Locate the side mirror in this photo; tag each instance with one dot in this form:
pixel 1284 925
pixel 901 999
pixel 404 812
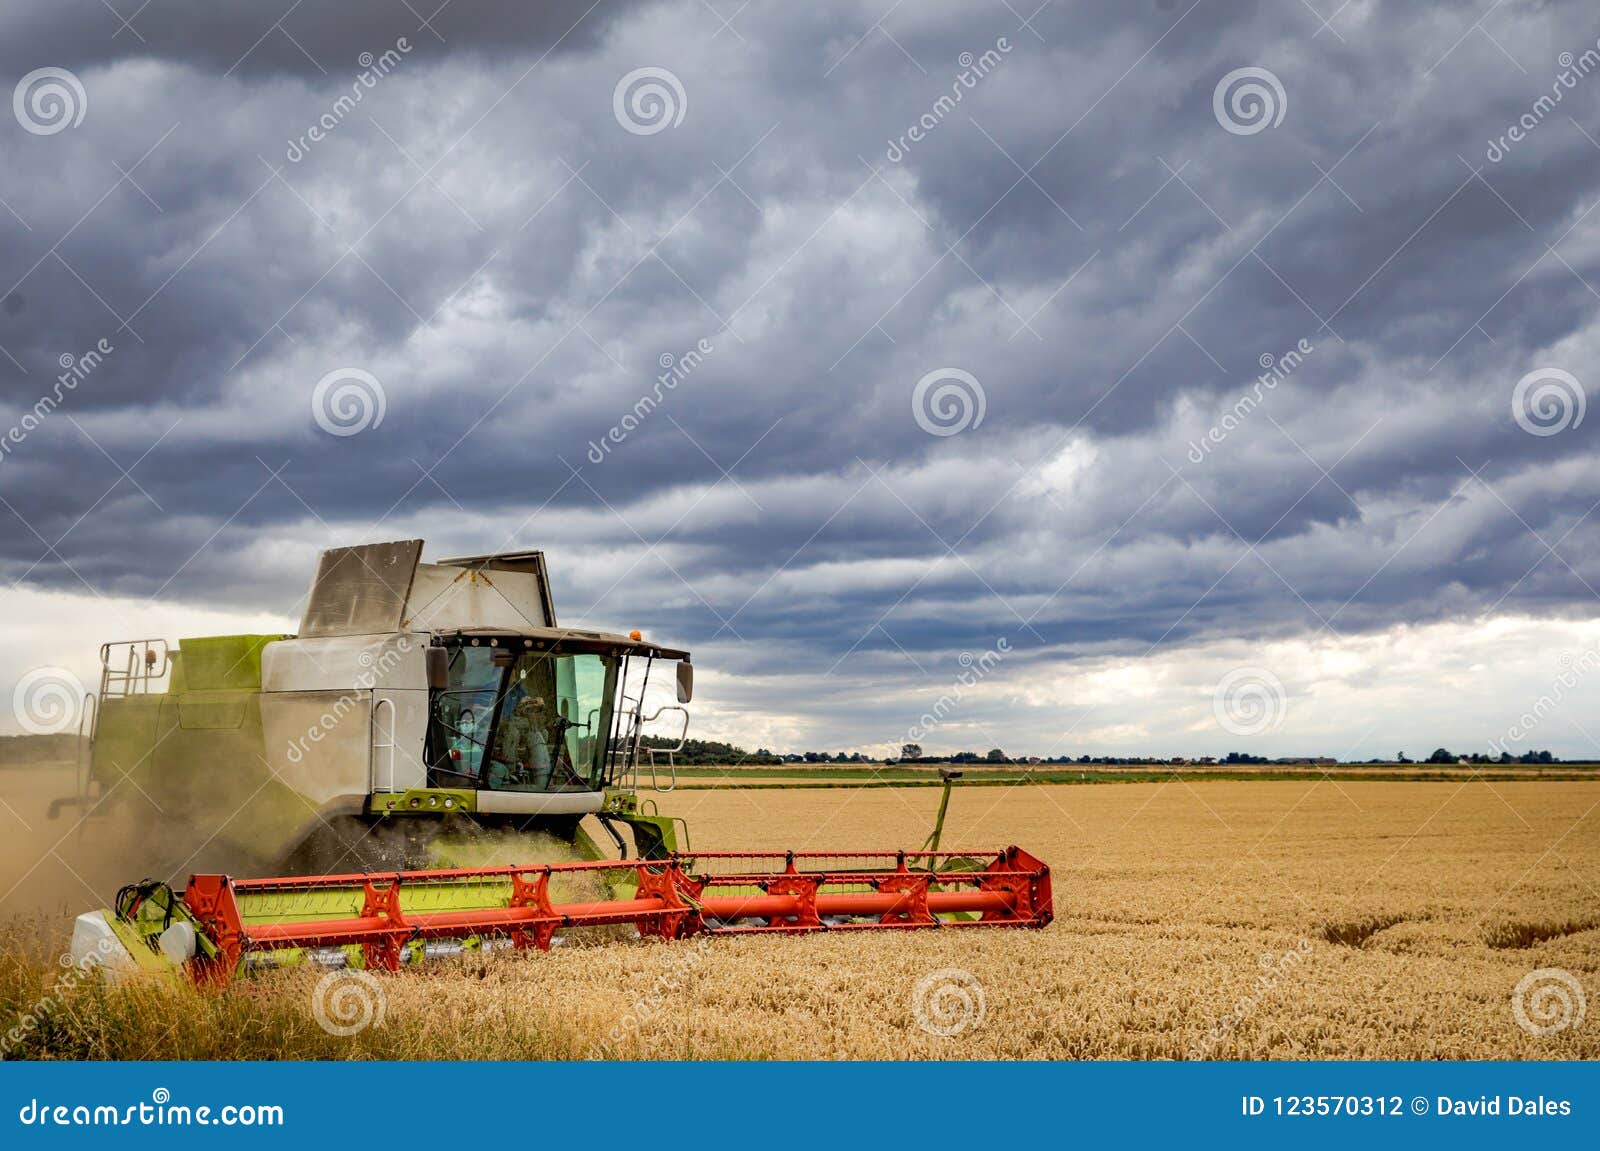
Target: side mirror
pixel 685 681
pixel 438 666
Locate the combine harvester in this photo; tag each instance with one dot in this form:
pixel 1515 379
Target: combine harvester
pixel 425 710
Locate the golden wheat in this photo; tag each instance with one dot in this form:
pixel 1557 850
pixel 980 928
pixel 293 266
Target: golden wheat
pixel 1225 920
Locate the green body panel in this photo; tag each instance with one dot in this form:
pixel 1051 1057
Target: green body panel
pixel 656 836
pixel 423 801
pixel 221 662
pixel 196 751
pixel 139 937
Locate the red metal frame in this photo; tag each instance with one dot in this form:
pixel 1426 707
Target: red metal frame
pixel 674 898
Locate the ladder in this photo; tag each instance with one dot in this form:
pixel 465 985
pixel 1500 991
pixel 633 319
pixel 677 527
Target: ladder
pixel 127 668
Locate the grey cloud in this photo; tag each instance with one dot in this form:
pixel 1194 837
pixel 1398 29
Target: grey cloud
pixel 485 238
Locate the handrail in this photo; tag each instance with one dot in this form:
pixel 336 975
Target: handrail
pixel 148 661
pixel 377 707
pixel 671 753
pixel 622 752
pixel 83 764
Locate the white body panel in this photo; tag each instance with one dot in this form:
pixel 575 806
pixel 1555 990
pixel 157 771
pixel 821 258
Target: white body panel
pixel 94 944
pixel 450 598
pixel 540 802
pixel 320 701
pixel 336 663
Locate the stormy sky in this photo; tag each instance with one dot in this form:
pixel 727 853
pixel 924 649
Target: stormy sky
pixel 1152 378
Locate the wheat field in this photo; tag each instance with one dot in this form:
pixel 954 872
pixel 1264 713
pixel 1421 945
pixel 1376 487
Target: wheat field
pixel 1229 920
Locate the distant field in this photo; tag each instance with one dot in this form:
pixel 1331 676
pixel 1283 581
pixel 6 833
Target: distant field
pixel 1220 919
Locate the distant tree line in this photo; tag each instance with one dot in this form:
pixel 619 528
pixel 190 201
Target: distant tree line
pixel 1442 755
pixel 706 752
pixel 711 751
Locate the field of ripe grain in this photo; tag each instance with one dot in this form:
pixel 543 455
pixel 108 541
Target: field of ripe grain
pixel 1228 920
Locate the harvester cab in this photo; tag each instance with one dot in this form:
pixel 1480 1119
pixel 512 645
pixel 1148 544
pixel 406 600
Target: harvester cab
pixel 422 712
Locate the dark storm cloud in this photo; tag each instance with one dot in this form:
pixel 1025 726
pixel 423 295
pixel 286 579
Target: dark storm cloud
pixel 1079 232
pixel 311 38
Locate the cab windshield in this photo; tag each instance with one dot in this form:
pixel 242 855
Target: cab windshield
pixel 529 721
